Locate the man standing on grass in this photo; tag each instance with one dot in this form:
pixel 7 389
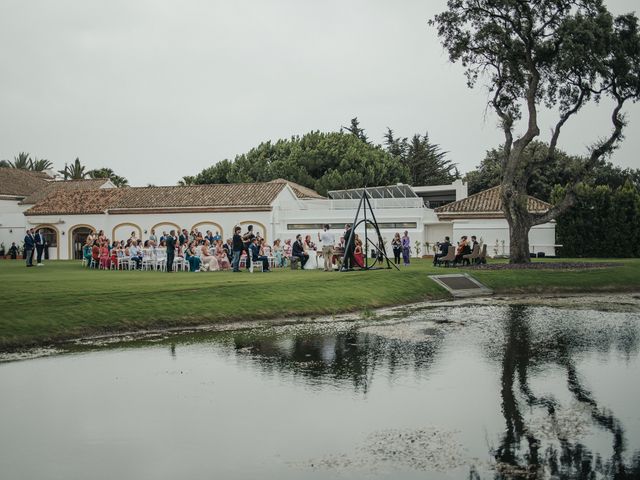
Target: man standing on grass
pixel 328 240
pixel 29 244
pixel 237 246
pixel 349 248
pixel 170 241
pixel 39 241
pixel 247 238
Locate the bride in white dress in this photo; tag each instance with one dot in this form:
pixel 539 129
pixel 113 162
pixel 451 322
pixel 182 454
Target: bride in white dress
pixel 310 249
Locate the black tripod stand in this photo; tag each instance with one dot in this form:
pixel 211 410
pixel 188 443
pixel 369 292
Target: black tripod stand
pixel 379 248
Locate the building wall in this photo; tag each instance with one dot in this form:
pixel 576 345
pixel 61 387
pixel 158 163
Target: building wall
pixel 12 223
pixel 495 233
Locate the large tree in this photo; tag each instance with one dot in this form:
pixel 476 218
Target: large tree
pixel 542 181
pixel 558 54
pixel 426 161
pixel 318 160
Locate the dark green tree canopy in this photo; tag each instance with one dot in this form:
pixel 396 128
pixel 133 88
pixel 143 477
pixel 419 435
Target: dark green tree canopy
pixel 542 181
pixel 321 161
pixel 425 161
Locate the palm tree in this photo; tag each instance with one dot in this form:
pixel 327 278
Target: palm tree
pixel 117 180
pixel 22 161
pixel 40 165
pixel 75 171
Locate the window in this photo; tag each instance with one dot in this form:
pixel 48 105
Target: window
pixel 319 226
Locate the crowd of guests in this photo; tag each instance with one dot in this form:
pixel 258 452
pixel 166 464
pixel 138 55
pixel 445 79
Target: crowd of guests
pixel 207 251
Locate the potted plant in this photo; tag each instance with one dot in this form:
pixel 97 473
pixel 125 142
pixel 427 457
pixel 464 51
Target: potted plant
pixel 427 249
pixel 418 249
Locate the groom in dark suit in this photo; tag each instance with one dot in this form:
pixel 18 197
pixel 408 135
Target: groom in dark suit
pixel 170 241
pixel 39 241
pixel 29 244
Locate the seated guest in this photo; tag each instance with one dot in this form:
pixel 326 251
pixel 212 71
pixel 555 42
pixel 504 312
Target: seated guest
pixel 278 253
pixel 228 248
pixel 95 252
pixel 135 253
pixel 191 257
pixel 208 261
pixel 254 249
pixel 87 253
pixel 462 250
pixel 286 249
pixel 221 256
pixel 265 249
pixel 297 250
pixel 444 250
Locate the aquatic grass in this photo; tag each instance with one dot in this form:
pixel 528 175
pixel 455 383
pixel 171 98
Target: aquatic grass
pixel 62 300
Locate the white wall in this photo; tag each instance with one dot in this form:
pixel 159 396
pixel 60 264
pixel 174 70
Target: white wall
pixel 12 224
pixel 496 231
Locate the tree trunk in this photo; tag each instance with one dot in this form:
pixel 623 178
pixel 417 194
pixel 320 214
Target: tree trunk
pixel 518 218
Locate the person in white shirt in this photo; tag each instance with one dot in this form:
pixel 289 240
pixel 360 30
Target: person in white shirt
pixel 328 240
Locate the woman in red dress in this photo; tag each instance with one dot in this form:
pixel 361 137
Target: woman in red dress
pixel 358 254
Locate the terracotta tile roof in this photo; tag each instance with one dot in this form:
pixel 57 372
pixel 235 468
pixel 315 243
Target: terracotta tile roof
pixel 77 202
pixel 66 185
pixel 239 195
pixel 487 201
pixel 213 195
pixel 21 183
pixel 300 190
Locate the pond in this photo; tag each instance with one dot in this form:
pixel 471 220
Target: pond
pixel 488 391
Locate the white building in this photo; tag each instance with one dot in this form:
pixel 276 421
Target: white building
pixel 68 210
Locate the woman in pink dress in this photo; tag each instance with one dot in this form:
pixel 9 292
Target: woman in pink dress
pixel 208 262
pixel 105 258
pixel 358 254
pixel 221 256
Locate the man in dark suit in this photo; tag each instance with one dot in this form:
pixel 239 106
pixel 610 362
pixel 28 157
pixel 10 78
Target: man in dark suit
pixel 170 241
pixel 297 250
pixel 349 248
pixel 29 245
pixel 247 238
pixel 39 242
pixel 444 250
pixel 254 249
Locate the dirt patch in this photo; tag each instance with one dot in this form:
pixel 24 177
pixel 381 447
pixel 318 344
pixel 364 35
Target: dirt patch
pixel 544 266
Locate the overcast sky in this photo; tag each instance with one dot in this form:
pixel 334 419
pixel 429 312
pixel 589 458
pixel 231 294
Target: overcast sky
pixel 157 90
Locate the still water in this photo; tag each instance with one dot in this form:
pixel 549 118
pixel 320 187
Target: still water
pixel 450 392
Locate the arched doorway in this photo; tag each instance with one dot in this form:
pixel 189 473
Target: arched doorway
pixel 213 226
pixel 123 231
pixel 77 238
pixel 51 237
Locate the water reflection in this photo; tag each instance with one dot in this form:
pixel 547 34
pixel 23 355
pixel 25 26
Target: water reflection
pixel 529 345
pixel 348 356
pixel 519 450
pixel 476 392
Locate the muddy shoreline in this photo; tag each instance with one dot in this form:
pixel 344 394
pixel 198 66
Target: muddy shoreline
pixel 622 302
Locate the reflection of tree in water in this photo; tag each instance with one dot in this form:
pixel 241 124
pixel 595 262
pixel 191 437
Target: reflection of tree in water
pixel 519 452
pixel 344 356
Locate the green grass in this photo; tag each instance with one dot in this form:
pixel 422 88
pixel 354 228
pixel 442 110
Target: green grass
pixel 61 300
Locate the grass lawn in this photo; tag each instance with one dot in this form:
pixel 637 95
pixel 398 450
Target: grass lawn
pixel 62 300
